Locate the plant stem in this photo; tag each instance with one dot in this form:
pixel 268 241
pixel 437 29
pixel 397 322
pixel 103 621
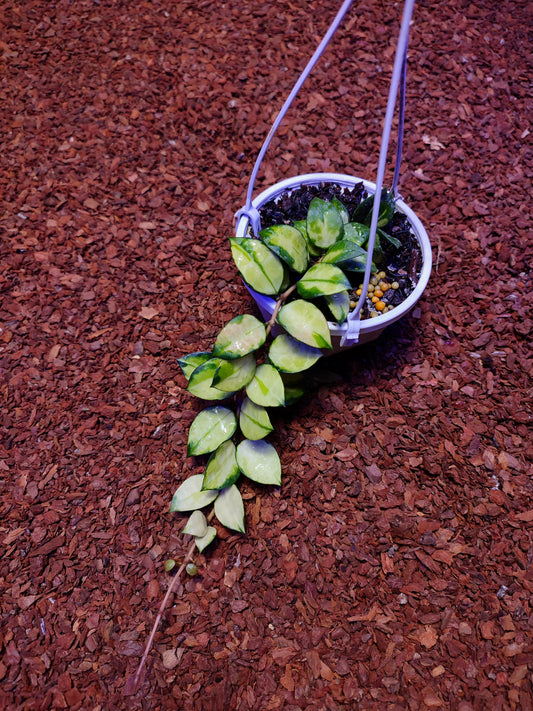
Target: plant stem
pixel 131 684
pixel 279 304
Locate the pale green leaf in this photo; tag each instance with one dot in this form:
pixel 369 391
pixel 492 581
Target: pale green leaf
pixel 266 387
pixel 229 509
pixel 258 265
pixel 356 232
pixel 189 495
pixel 202 378
pixel 291 356
pixel 242 335
pixel 222 469
pixel 209 429
pixel 324 223
pixel 289 244
pixel 254 420
pixel 196 525
pixel 203 541
pixel 233 375
pixel 305 322
pixel 322 280
pixel 259 461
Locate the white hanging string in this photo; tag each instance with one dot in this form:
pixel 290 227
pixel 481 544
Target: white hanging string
pixel 249 210
pixel 353 320
pixel 351 334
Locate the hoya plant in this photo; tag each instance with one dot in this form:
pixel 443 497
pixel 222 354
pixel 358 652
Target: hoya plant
pixel 310 268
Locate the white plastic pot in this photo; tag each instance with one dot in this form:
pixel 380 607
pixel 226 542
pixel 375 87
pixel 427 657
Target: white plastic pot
pixel 370 328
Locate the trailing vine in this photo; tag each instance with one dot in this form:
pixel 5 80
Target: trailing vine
pixel 308 268
pixel 311 268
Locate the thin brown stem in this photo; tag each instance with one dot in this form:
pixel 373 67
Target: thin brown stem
pixel 282 298
pixel 131 685
pixel 279 304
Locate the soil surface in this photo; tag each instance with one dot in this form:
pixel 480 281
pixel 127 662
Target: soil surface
pixel 393 568
pixel 399 263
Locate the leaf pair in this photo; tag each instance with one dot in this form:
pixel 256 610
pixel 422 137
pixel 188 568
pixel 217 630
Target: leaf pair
pixel 257 460
pixel 197 526
pixel 322 228
pixel 215 425
pixel 228 504
pixel 263 263
pixel 231 365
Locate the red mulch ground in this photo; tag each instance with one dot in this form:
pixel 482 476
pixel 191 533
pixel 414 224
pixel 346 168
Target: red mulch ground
pixel 393 570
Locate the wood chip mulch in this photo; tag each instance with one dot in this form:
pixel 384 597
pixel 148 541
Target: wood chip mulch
pixel 394 567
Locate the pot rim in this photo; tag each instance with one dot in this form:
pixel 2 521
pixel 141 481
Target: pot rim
pixel 368 325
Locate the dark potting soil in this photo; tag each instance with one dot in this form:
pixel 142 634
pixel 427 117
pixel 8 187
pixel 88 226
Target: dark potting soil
pixel 401 264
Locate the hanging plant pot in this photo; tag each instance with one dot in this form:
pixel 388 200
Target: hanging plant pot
pixel 372 323
pixel 301 272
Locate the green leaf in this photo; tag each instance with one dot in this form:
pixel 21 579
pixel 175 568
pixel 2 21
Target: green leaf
pixel 377 254
pixel 209 429
pixel 356 232
pixel 363 212
pixel 292 356
pixel 189 495
pixel 259 461
pixel 258 265
pixel 301 226
pixel 339 305
pixel 222 469
pixel 205 540
pixel 324 223
pixel 242 335
pixel 390 238
pixel 386 208
pixel 266 388
pixel 196 525
pixel 235 374
pixel 201 379
pixel 254 420
pixel 289 244
pixel 190 362
pixel 229 509
pixel 322 280
pixel 294 387
pixel 346 253
pixel 343 212
pixel 306 323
